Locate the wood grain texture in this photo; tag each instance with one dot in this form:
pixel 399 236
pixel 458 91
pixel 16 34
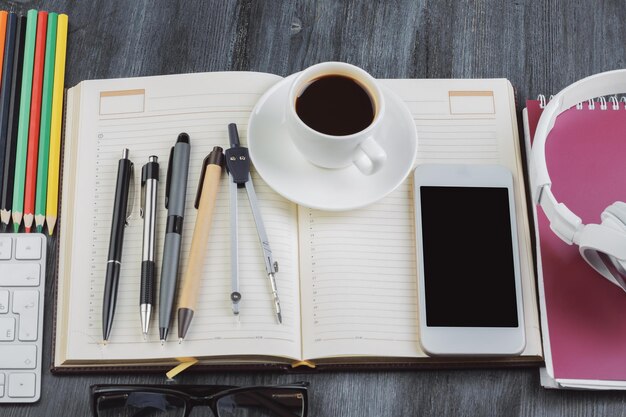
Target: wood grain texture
pixel 541 46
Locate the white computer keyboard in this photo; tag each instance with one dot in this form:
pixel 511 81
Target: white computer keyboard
pixel 22 288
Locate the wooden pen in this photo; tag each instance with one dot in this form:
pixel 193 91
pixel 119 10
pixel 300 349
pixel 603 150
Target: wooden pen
pixel 205 204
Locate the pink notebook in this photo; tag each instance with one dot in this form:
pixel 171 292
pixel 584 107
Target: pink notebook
pixel 585 313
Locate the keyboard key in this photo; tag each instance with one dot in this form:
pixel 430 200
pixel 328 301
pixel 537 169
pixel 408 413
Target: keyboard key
pixel 22 385
pixel 26 304
pixel 18 356
pixel 19 275
pixel 7 329
pixel 28 248
pixel 5 248
pixel 4 301
pixel 1 385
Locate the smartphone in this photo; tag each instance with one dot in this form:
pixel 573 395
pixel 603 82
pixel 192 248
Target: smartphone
pixel 469 283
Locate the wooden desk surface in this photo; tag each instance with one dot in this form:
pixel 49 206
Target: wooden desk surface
pixel 540 46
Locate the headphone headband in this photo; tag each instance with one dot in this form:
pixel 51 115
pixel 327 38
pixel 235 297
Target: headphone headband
pixel 563 221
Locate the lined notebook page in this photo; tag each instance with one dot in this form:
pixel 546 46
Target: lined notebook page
pixel 358 269
pixel 146 115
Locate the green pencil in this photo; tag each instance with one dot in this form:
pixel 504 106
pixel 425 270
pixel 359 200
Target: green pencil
pixel 22 126
pixel 46 118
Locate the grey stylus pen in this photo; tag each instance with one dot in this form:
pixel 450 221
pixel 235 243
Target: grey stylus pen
pixel 175 193
pixel 149 187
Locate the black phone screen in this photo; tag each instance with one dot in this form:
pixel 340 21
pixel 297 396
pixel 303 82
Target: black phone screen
pixel 467 246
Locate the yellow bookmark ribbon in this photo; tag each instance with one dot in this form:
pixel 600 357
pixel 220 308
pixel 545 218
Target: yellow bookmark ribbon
pixel 184 364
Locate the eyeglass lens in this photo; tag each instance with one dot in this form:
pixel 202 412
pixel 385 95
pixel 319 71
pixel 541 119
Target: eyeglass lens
pixel 140 404
pixel 262 402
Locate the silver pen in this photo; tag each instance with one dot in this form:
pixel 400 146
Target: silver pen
pixel 149 187
pixel 238 166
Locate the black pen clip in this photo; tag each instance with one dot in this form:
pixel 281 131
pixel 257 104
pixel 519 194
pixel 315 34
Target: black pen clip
pixel 142 203
pixel 216 157
pixel 169 177
pixel 130 205
pixel 150 171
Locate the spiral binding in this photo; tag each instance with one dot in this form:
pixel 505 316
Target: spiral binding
pixel 613 102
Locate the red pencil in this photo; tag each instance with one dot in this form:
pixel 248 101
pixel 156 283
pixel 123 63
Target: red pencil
pixel 30 186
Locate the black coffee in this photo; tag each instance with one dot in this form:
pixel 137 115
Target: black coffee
pixel 335 105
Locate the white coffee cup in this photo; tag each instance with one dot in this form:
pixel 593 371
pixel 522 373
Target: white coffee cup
pixel 362 148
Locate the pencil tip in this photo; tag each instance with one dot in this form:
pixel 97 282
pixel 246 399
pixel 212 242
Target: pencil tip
pixel 16 227
pixel 162 342
pixel 180 340
pixel 27 229
pixel 39 229
pixel 280 318
pixel 51 222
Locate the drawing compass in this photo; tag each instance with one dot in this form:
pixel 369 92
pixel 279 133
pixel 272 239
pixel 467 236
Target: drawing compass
pixel 238 168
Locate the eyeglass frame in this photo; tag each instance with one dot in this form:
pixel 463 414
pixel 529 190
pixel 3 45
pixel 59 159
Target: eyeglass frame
pixel 212 393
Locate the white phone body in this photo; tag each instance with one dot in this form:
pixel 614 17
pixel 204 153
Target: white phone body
pixel 469 282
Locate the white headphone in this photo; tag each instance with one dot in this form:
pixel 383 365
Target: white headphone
pixel 603 245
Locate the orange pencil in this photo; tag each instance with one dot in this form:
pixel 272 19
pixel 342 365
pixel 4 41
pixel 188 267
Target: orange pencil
pixel 30 185
pixel 3 33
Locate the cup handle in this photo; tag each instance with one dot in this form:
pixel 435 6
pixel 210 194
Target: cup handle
pixel 369 156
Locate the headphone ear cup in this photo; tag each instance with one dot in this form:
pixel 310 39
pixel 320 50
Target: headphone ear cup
pixel 614 216
pixel 603 246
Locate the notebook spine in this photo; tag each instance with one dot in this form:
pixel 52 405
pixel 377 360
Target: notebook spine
pixel 600 103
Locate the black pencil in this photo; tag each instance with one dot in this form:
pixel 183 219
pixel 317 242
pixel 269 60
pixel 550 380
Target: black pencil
pixel 5 87
pixel 6 197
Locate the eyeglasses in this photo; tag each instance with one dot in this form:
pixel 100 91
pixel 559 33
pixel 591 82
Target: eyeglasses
pixel 177 401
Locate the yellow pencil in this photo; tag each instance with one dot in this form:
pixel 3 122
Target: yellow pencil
pixel 52 200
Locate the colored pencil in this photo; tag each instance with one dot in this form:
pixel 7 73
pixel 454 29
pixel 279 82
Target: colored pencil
pixel 4 15
pixel 6 197
pixel 30 181
pixel 46 117
pixel 55 124
pixel 21 150
pixel 5 88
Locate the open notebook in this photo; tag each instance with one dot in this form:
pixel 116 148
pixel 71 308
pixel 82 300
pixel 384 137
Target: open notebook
pixel 347 298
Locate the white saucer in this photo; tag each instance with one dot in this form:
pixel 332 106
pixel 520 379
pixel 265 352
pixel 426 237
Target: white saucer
pixel 286 170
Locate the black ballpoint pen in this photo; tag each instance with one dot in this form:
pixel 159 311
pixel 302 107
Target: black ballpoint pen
pixel 114 261
pixel 175 194
pixel 149 186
